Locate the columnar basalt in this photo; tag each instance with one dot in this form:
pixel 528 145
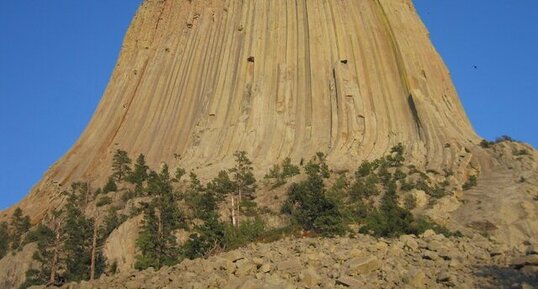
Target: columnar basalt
pixel 198 80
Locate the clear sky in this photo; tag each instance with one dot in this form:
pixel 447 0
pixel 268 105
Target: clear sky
pixel 56 58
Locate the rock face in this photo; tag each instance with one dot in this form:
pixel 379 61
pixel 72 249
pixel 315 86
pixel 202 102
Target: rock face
pixel 13 267
pixel 199 80
pixel 360 262
pixel 120 247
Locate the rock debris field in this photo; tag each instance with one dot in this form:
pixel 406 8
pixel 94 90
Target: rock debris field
pixel 427 261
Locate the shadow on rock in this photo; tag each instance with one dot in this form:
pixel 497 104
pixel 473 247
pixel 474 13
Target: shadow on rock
pixel 507 277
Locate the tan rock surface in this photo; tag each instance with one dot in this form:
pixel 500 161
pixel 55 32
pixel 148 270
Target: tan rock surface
pixel 198 80
pixel 120 246
pixel 13 267
pixel 477 269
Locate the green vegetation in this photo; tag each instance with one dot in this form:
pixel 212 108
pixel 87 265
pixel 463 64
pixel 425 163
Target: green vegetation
pixel 120 165
pixel 281 172
pixel 20 225
pixel 221 214
pixel 70 243
pixel 488 144
pixel 521 152
pixel 157 242
pixel 470 183
pixel 4 239
pixel 45 238
pixel 110 186
pixel 140 172
pixel 103 201
pixel 308 204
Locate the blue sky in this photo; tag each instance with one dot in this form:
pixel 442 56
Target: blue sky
pixel 55 61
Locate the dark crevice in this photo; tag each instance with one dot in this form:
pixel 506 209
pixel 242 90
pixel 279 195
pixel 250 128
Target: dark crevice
pixel 414 111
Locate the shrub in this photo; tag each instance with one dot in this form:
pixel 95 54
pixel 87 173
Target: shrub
pixel 437 192
pixel 363 189
pixel 309 206
pixel 399 175
pixel 208 237
pixel 365 169
pixel 282 172
pixel 246 232
pixel 422 224
pixel 471 182
pixel 522 152
pixel 110 186
pixel 486 144
pixel 406 186
pixel 390 220
pixel 103 201
pixel 504 138
pixel 4 239
pixel 276 234
pixel 410 202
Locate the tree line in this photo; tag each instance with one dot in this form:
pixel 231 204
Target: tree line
pixel 219 215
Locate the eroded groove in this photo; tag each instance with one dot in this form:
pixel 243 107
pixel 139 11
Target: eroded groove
pixel 196 93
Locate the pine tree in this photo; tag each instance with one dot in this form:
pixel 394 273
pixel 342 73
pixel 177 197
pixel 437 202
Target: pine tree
pixel 50 253
pixel 82 193
pixel 209 237
pixel 45 254
pixel 244 183
pixel 4 239
pixel 157 242
pixel 178 175
pixel 309 205
pixel 79 232
pixel 20 225
pixel 110 186
pixel 221 186
pixel 140 172
pixel 121 165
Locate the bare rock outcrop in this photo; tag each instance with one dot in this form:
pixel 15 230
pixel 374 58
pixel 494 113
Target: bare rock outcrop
pixel 13 267
pixel 428 261
pixel 198 80
pixel 120 246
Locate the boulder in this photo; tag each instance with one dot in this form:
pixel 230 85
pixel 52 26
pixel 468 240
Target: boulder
pixel 310 278
pixel 529 260
pixel 291 266
pixel 349 282
pixel 362 265
pixel 415 278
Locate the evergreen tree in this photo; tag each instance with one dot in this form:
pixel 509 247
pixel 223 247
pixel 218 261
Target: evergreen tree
pixel 121 165
pixel 178 175
pixel 20 225
pixel 110 186
pixel 148 241
pixel 110 223
pixel 81 194
pixel 157 242
pixel 50 253
pixel 209 237
pixel 140 172
pixel 243 176
pixel 78 244
pixel 244 183
pixel 390 220
pixel 309 205
pixel 45 238
pixel 221 186
pixel 4 239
